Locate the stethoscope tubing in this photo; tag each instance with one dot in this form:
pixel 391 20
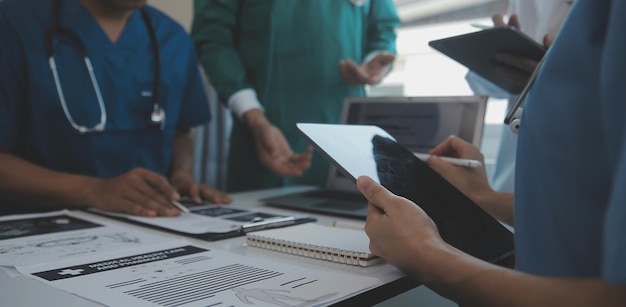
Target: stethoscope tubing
pixel 157 117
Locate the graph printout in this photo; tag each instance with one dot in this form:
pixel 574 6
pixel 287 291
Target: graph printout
pixel 178 273
pixel 48 237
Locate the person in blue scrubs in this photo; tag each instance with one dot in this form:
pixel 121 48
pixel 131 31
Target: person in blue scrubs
pixel 72 139
pixel 541 20
pixel 570 195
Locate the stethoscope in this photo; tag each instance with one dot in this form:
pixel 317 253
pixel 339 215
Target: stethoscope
pixel 514 115
pixel 157 117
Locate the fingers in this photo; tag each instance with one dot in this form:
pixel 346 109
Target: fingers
pixel 352 73
pixel 548 39
pixel 514 21
pixel 378 196
pixel 456 147
pixel 195 193
pixel 444 149
pixel 214 196
pixel 287 166
pixel 518 76
pixel 498 20
pixel 274 152
pixel 138 192
pixel 385 58
pixel 152 192
pixel 376 68
pixel 303 160
pixel 134 208
pixel 161 184
pixel 442 167
pixel 524 64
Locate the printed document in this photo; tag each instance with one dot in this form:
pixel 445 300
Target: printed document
pixel 177 273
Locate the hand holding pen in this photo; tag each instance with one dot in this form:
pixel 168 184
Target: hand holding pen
pixel 471 181
pixel 138 192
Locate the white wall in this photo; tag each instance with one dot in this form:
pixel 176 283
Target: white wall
pixel 180 10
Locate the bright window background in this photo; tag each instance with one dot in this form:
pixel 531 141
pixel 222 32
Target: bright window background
pixel 422 71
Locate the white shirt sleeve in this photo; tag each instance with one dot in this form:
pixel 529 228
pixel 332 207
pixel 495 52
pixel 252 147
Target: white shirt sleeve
pixel 244 101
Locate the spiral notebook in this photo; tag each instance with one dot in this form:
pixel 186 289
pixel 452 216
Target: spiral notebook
pixel 313 240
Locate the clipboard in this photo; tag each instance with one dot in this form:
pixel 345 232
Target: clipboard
pixel 476 51
pixel 369 150
pixel 225 221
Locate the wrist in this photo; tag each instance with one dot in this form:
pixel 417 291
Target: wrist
pixel 180 176
pixel 443 264
pixel 500 205
pixel 255 119
pixel 485 197
pixel 243 101
pixel 87 192
pixel 428 256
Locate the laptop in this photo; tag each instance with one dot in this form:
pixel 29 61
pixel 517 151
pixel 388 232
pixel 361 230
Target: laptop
pixel 418 123
pixel 359 150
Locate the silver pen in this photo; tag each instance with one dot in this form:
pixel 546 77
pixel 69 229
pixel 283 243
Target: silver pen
pixel 269 223
pixel 180 206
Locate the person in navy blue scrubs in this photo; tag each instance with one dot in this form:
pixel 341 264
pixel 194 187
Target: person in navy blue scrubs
pixel 116 138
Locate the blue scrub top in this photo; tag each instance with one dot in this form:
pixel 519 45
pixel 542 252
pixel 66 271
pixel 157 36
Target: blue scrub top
pixel 570 202
pixel 32 122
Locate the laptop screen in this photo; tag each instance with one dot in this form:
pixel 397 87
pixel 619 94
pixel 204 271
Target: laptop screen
pixel 420 123
pixel 417 123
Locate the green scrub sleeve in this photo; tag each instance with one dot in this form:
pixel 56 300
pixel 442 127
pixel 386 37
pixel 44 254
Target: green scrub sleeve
pixel 213 28
pixel 382 21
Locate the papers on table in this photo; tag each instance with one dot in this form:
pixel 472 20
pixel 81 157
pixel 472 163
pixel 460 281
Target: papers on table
pixel 204 219
pixel 171 272
pixel 181 274
pixel 48 237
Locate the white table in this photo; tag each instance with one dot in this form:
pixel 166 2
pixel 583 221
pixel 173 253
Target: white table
pixel 16 290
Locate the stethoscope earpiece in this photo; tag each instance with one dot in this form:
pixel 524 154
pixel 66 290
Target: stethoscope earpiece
pixel 515 125
pixel 515 112
pixel 516 121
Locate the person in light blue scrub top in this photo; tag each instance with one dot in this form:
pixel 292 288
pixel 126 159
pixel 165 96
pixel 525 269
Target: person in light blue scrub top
pixel 570 185
pixel 69 138
pixel 541 20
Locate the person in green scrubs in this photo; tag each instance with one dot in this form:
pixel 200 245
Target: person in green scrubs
pixel 276 63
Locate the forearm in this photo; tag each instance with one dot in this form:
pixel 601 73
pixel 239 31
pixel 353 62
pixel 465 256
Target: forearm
pixel 182 156
pixel 472 282
pixel 27 183
pixel 255 119
pixel 382 23
pixel 213 32
pixel 500 205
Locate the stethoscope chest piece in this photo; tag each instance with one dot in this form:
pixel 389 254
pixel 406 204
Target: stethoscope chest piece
pixel 157 117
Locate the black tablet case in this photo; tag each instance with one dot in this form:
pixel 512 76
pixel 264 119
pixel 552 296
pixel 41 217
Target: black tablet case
pixel 460 221
pixel 476 51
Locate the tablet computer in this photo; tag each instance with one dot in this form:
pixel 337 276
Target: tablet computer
pixel 369 150
pixel 476 51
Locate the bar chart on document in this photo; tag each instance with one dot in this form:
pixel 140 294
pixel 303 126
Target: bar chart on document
pixel 178 273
